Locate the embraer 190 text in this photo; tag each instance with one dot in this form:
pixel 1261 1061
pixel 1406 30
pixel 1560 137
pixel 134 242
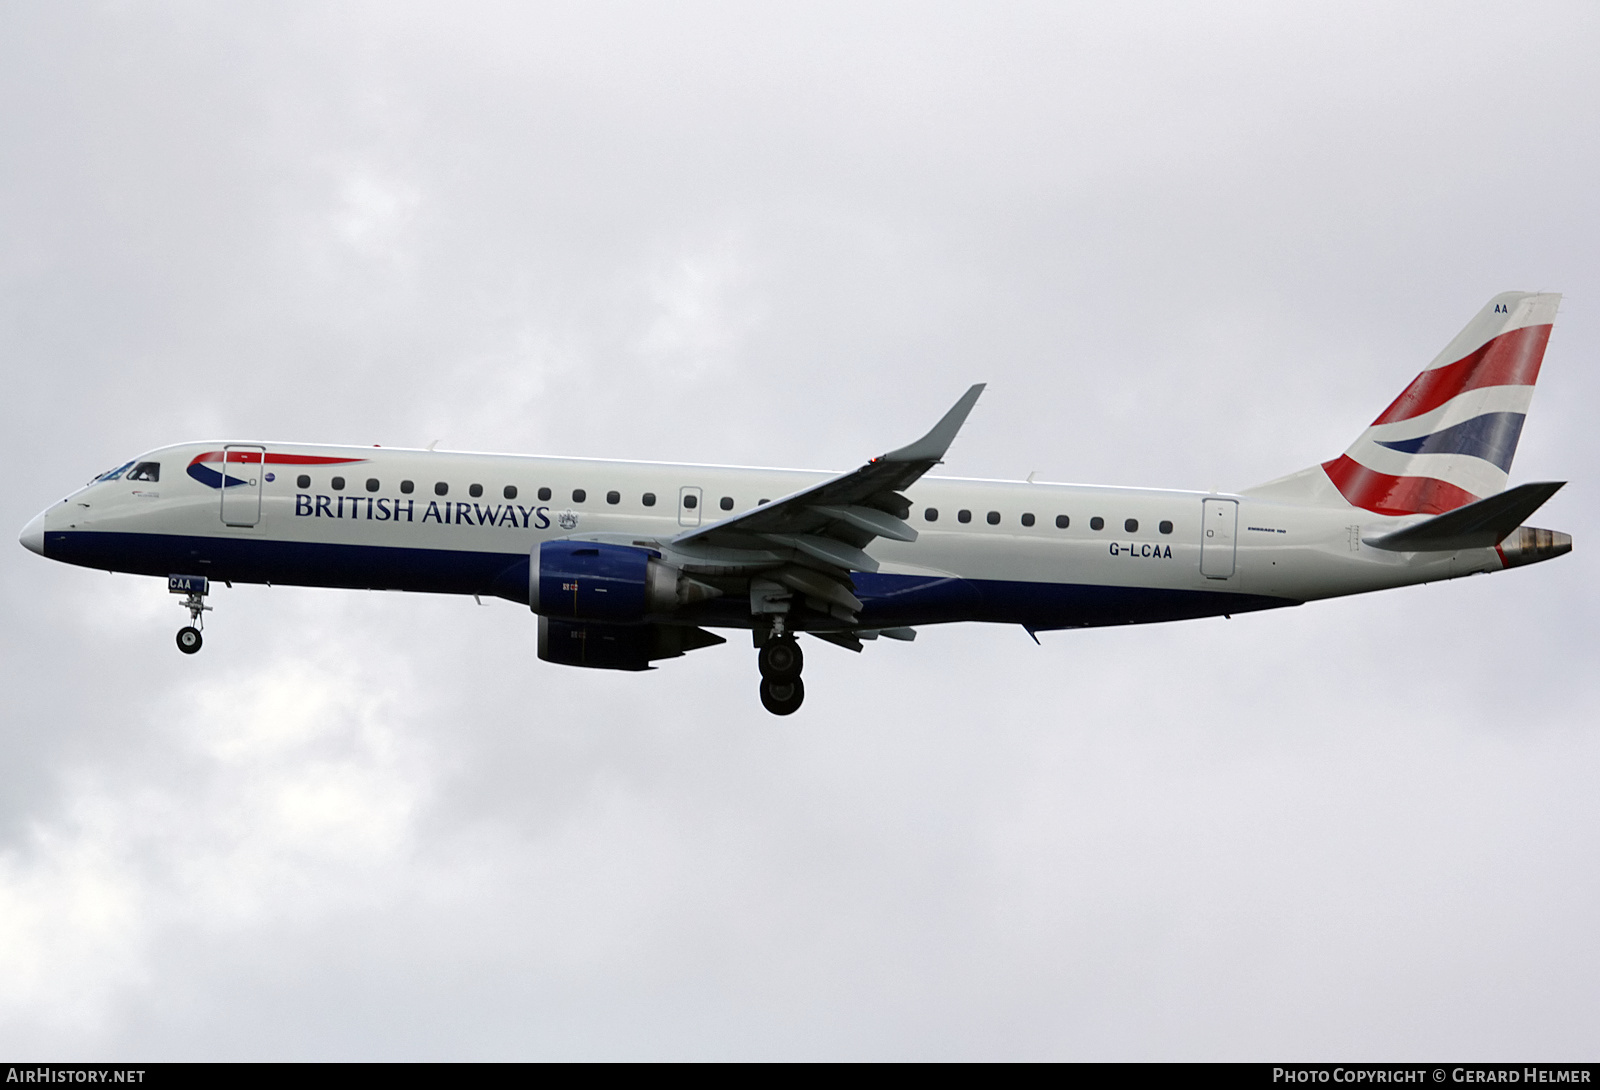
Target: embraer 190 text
pixel 627 563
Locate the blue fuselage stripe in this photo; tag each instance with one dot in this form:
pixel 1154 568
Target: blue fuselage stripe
pixel 888 600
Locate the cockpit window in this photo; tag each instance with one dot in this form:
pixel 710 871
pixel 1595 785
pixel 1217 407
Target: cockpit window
pixel 145 471
pixel 112 474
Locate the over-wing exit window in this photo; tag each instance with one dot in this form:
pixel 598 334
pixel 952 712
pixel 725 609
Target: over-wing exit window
pixel 145 471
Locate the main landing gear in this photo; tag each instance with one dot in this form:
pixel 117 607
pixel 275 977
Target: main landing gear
pixel 780 660
pixel 194 589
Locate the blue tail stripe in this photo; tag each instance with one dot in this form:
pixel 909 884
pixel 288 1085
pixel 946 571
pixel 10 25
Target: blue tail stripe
pixel 1492 437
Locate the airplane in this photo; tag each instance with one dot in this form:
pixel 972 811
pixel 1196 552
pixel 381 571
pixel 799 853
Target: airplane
pixel 627 564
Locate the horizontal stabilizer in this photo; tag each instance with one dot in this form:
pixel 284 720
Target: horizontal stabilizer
pixel 1478 525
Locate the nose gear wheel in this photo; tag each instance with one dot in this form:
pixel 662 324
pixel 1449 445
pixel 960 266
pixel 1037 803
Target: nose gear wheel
pixel 194 591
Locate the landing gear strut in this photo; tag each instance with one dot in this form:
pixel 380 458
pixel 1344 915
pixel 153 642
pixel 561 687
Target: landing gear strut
pixel 194 589
pixel 780 661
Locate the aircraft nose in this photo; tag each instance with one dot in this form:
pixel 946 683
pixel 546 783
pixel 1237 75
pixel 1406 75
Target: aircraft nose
pixel 33 535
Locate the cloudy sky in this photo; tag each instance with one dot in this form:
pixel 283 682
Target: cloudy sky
pixel 1187 246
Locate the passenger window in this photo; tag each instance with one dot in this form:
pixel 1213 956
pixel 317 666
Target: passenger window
pixel 613 497
pixel 690 500
pixel 408 487
pixel 475 490
pixel 931 514
pixel 1062 522
pixel 372 484
pixel 1165 527
pixel 338 484
pixel 303 481
pixel 439 488
pixel 509 492
pixel 579 495
pixel 963 515
pixel 727 503
pixel 1097 523
pixel 544 494
pixel 649 499
pixel 1027 518
pixel 1131 526
pixel 994 518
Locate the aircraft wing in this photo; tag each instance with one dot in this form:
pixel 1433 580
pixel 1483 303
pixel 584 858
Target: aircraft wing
pixel 823 530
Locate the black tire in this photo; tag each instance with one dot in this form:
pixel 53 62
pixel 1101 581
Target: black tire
pixel 781 659
pixel 189 640
pixel 783 697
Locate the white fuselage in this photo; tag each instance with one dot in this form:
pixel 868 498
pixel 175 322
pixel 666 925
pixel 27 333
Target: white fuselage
pixel 1044 555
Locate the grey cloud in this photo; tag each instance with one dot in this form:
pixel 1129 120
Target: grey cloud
pixel 1196 249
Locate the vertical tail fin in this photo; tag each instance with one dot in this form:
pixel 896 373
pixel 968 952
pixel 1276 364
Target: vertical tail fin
pixel 1449 438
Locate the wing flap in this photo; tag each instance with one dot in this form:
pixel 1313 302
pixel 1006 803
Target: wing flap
pixel 873 521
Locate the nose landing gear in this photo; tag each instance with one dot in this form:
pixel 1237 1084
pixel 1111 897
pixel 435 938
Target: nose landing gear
pixel 781 661
pixel 194 589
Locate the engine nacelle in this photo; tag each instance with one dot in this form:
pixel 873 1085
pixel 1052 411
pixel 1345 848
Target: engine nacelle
pixel 617 646
pixel 593 581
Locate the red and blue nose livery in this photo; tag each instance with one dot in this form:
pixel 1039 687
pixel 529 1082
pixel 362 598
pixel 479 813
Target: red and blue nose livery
pixel 200 468
pixel 1449 438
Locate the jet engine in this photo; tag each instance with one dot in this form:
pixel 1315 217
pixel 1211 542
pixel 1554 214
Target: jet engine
pixel 593 581
pixel 617 646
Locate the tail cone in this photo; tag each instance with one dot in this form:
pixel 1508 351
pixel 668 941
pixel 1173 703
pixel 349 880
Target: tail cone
pixel 1528 545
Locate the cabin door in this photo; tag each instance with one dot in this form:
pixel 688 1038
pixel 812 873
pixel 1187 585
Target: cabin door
pixel 1219 527
pixel 242 468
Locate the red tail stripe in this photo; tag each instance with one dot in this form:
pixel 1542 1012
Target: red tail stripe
pixel 1387 495
pixel 1511 359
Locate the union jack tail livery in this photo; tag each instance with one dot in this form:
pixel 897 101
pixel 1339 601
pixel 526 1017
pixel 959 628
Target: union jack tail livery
pixel 1449 437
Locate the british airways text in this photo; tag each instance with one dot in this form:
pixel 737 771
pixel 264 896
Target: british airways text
pixel 385 509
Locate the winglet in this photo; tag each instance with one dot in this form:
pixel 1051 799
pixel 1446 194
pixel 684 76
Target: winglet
pixel 931 447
